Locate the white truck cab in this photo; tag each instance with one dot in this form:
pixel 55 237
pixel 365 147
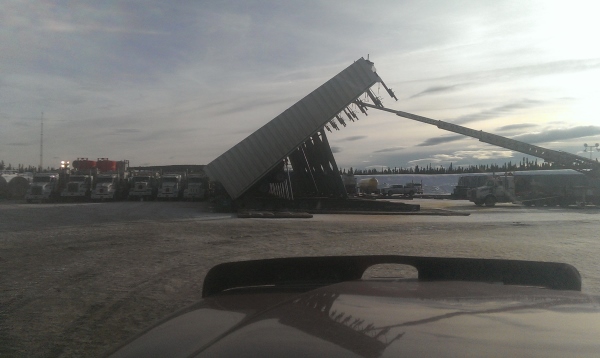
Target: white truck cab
pixel 44 187
pixel 171 186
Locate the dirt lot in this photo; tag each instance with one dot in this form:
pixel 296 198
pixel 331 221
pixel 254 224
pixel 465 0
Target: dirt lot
pixel 78 279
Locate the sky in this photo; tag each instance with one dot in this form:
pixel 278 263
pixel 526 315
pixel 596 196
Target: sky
pixel 181 82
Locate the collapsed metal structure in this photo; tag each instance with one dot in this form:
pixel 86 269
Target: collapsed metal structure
pixel 290 157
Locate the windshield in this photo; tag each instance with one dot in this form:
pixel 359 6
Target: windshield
pixel 303 150
pixel 43 179
pixel 141 179
pixel 104 180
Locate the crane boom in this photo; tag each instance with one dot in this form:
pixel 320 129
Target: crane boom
pixel 567 159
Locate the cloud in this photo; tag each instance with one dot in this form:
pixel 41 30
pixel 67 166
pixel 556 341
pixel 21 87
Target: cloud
pixel 19 144
pixel 484 154
pixel 353 138
pixel 64 26
pixel 528 71
pixel 464 155
pixel 553 135
pixel 440 140
pixel 124 131
pixel 511 127
pixel 436 90
pixel 391 149
pixel 497 111
pixel 436 158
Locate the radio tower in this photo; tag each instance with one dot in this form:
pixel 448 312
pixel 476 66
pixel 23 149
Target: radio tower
pixel 42 144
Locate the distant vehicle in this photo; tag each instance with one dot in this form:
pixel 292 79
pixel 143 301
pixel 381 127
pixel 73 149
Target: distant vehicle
pixel 110 186
pixel 323 307
pixel 349 181
pixel 80 181
pixel 196 187
pixel 535 189
pixel 45 187
pixel 144 185
pixel 466 183
pixel 409 190
pixel 112 180
pixel 171 186
pixel 79 186
pixel 14 185
pixel 369 186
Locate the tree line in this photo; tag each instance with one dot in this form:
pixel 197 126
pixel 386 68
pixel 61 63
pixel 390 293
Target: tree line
pixel 22 168
pixel 524 165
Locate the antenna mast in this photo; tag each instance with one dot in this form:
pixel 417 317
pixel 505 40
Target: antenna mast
pixel 42 144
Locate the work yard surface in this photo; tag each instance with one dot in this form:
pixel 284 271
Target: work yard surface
pixel 76 280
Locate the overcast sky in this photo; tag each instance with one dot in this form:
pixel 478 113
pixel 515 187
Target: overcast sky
pixel 180 82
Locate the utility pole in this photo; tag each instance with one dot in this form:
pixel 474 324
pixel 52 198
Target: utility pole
pixel 42 145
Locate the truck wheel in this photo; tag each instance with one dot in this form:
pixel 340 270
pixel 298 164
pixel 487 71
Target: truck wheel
pixel 411 194
pixel 479 203
pixel 490 201
pixel 390 193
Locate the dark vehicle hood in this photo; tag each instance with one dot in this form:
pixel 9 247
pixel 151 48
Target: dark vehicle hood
pixel 381 318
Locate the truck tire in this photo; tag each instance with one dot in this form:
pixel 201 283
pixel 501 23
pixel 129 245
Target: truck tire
pixel 478 203
pixel 390 193
pixel 490 201
pixel 411 194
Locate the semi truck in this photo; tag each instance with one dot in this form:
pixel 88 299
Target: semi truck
pixel 144 185
pixel 45 187
pixel 80 181
pixel 197 187
pixel 171 186
pixel 79 186
pixel 112 180
pixel 537 189
pixel 468 182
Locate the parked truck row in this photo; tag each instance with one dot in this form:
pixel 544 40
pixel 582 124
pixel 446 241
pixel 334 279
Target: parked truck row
pixel 538 189
pixel 108 180
pixel 372 186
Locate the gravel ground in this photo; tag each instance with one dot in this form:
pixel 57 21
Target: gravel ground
pixel 78 279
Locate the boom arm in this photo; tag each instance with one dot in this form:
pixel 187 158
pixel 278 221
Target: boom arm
pixel 549 155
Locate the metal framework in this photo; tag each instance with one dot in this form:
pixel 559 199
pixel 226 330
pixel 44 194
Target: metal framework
pixel 260 164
